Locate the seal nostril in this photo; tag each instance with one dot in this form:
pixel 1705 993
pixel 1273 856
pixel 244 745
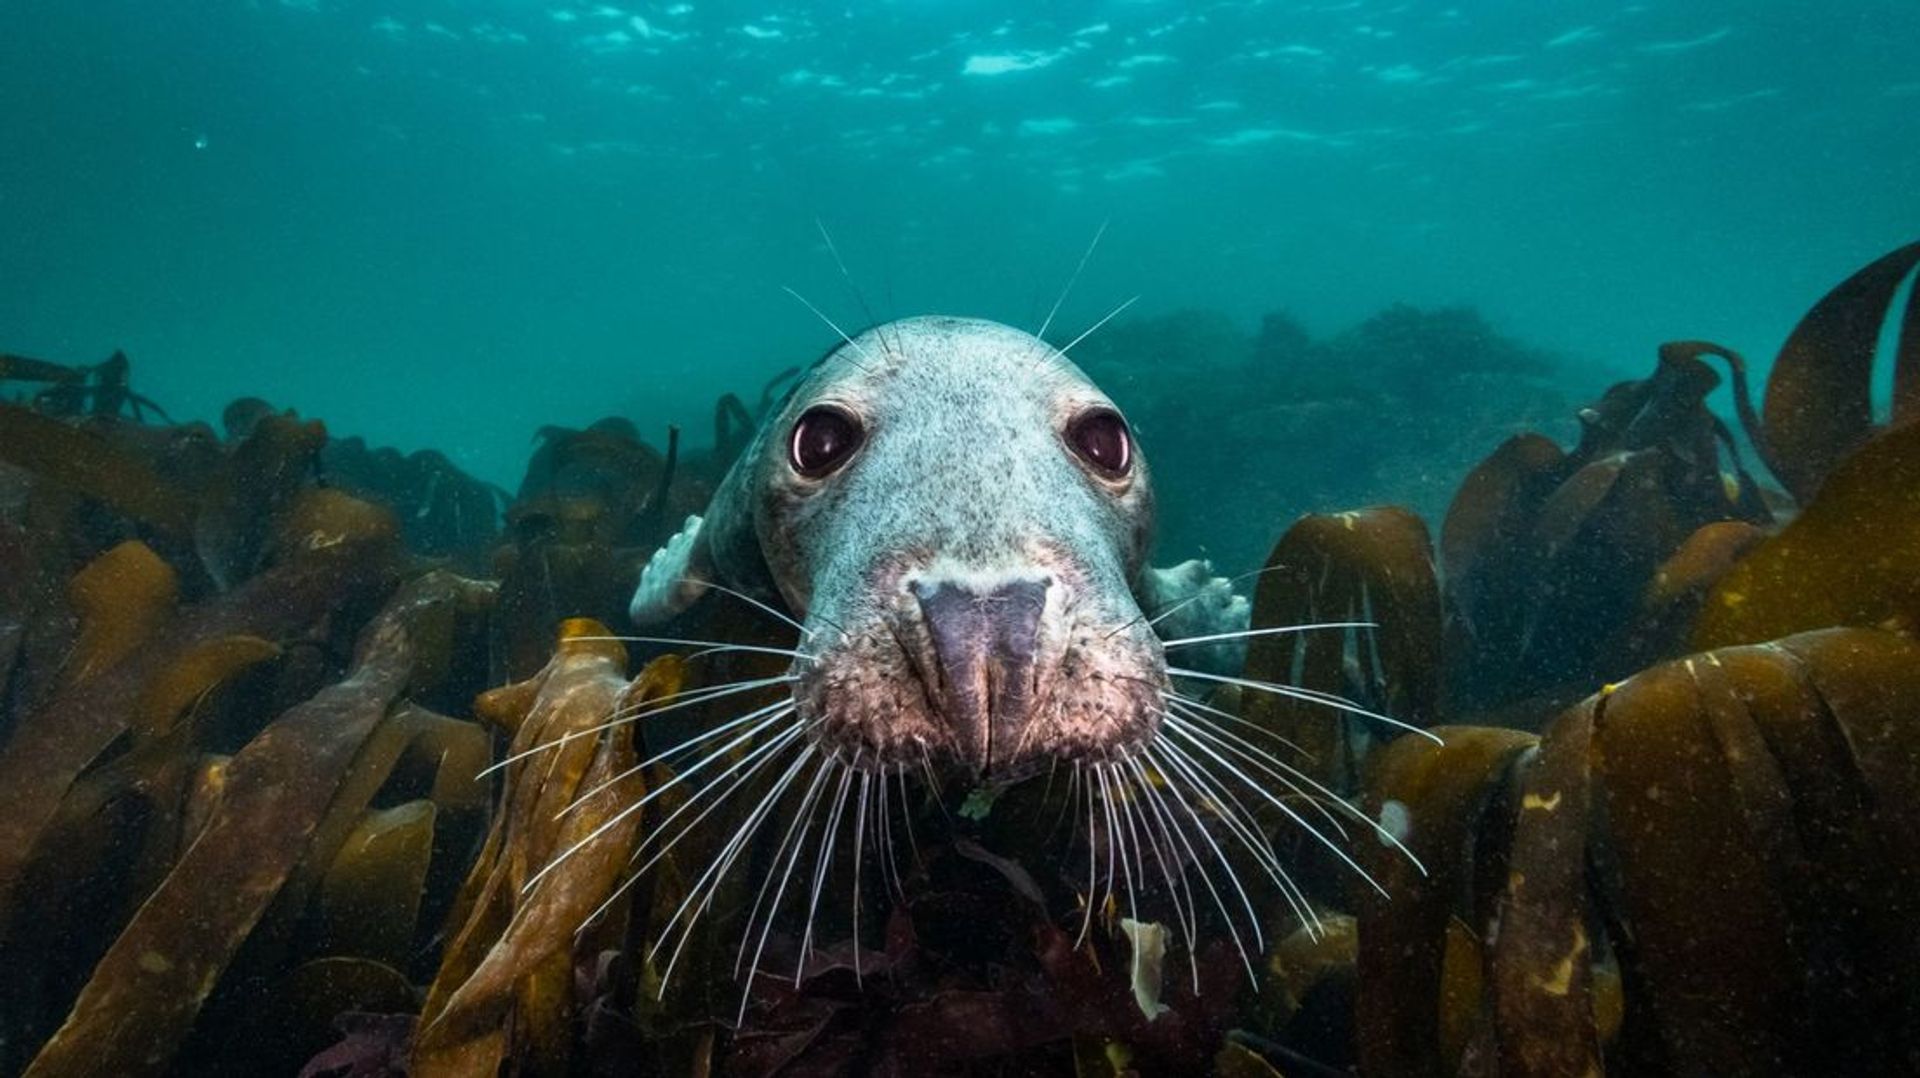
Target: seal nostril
pixel 984 645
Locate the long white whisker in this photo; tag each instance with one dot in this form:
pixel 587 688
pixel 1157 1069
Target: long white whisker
pixel 859 841
pixel 1275 630
pixel 1170 829
pixel 745 598
pixel 1220 855
pixel 1041 333
pixel 804 818
pixel 709 645
pixel 1089 330
pixel 835 326
pixel 1333 847
pixel 762 718
pixel 1201 705
pixel 1093 862
pixel 763 754
pixel 645 709
pixel 823 864
pixel 1309 695
pixel 1266 762
pixel 723 864
pixel 636 806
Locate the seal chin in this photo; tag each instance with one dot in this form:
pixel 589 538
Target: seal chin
pixel 997 675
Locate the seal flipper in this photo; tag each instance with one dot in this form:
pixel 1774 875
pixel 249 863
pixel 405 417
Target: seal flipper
pixel 675 577
pixel 1191 602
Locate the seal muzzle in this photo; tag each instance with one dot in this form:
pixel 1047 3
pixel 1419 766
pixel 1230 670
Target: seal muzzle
pixel 985 647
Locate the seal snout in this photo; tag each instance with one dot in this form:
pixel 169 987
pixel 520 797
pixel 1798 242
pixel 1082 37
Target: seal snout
pixel 985 648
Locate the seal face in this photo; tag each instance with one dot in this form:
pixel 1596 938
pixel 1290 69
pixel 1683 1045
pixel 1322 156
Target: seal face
pixel 959 518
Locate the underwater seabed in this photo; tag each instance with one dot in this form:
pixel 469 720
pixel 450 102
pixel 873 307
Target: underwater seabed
pixel 272 792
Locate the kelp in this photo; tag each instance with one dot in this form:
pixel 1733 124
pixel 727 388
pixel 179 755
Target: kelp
pixel 1443 794
pixel 1550 555
pixel 1718 824
pixel 557 853
pixel 87 461
pixel 444 511
pixel 1819 403
pixel 1825 567
pixel 1371 565
pixel 144 994
pixel 102 389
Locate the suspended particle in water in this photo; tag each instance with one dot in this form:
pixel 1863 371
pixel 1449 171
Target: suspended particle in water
pixel 200 140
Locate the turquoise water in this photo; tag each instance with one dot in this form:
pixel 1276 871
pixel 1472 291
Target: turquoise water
pixel 448 223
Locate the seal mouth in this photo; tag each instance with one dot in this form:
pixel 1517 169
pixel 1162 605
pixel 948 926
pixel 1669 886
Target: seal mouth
pixel 996 675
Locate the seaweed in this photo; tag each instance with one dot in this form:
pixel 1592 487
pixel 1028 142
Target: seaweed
pixel 1670 825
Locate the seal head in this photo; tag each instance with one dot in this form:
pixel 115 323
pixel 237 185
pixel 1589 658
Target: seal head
pixel 960 519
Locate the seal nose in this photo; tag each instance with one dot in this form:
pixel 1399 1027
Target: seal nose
pixel 985 640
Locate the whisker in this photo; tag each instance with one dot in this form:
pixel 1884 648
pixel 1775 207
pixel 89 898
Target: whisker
pixel 823 864
pixel 1200 705
pixel 1184 603
pixel 1308 695
pixel 624 811
pixel 1270 631
pixel 831 324
pixel 711 646
pixel 716 872
pixel 763 755
pixel 1169 827
pixel 803 819
pixel 1134 828
pixel 1097 325
pixel 1333 847
pixel 859 840
pixel 1328 797
pixel 765 717
pixel 644 709
pixel 1220 855
pixel 638 803
pixel 859 297
pixel 744 597
pixel 1267 763
pixel 1093 862
pixel 1041 333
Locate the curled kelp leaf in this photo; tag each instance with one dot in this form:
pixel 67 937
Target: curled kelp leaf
pixel 1819 403
pixel 1437 797
pixel 1372 565
pixel 555 857
pixel 1849 558
pixel 147 989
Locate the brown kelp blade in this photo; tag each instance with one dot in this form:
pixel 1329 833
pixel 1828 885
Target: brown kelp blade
pixel 1819 405
pixel 1439 796
pixel 557 853
pixel 144 994
pixel 1372 565
pixel 1852 557
pixel 85 461
pixel 1542 963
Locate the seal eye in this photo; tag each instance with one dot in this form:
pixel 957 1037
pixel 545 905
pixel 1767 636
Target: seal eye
pixel 1100 438
pixel 822 441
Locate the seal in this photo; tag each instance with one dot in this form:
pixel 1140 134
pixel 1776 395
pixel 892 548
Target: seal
pixel 959 520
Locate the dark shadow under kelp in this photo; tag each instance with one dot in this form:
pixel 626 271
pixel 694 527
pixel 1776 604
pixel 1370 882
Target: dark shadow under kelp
pixel 246 715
